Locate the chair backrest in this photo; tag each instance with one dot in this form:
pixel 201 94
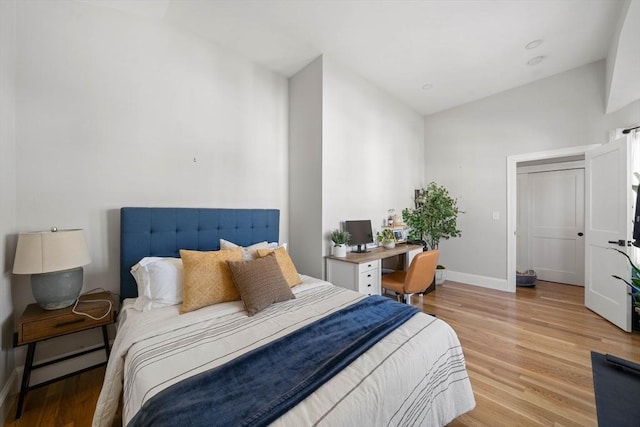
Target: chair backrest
pixel 421 272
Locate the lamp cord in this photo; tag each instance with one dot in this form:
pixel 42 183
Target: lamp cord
pixel 73 310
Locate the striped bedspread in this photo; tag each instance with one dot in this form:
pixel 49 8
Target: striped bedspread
pixel 414 376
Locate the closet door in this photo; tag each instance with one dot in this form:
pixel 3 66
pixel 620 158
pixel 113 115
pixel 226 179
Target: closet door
pixel 556 225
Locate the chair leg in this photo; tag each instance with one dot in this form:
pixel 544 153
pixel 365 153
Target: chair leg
pixel 407 298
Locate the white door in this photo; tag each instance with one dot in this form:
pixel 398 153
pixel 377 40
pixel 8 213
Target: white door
pixel 556 225
pixel 609 218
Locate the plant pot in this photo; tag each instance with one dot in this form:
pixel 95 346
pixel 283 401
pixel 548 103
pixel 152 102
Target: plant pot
pixel 389 245
pixel 339 251
pixel 440 276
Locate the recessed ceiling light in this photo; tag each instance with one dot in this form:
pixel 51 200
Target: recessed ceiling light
pixel 536 60
pixel 534 44
pixel 427 86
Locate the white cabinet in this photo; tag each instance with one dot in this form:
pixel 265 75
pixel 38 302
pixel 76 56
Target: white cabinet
pixel 369 278
pixel 363 278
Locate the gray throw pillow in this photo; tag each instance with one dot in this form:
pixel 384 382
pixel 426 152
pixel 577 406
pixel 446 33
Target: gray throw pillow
pixel 260 283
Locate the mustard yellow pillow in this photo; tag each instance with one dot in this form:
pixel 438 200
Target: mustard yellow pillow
pixel 207 279
pixel 286 264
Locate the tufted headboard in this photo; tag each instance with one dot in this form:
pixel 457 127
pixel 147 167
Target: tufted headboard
pixel 164 231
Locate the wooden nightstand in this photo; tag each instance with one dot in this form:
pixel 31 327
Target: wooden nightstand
pixel 37 324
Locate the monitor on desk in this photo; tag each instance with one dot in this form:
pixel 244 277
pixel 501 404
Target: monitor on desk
pixel 361 233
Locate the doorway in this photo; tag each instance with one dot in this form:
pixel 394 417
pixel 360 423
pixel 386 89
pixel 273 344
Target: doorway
pixel 546 157
pixel 550 227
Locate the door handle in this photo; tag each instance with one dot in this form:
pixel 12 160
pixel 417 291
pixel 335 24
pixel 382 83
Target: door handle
pixel 580 234
pixel 622 243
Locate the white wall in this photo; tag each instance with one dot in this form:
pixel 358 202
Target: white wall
pixel 372 153
pixel 7 194
pixel 305 169
pixel 623 64
pixel 365 159
pixel 115 110
pixel 466 150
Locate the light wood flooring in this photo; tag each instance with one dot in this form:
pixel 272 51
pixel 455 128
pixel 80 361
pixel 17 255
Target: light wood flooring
pixel 528 357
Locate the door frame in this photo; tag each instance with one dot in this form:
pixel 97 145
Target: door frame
pixel 512 186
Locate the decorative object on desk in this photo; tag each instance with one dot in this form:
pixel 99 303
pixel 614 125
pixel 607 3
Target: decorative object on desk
pixel 399 233
pixel 340 238
pixel 391 217
pixel 434 216
pixel 393 220
pixel 387 238
pixel 54 259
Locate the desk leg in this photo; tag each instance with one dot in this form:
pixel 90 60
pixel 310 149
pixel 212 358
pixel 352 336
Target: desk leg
pixel 105 338
pixel 31 350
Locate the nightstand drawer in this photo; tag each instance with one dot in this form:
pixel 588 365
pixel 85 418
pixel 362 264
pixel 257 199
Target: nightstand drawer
pixel 38 324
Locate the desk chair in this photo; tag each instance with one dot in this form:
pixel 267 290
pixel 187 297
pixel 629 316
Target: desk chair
pixel 414 280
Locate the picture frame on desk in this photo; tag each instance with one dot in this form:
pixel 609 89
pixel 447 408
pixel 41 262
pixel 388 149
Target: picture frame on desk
pixel 399 233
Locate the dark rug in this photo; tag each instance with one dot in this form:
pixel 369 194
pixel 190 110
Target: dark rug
pixel 616 383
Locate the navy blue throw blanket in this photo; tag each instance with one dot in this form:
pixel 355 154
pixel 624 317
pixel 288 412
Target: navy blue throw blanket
pixel 261 385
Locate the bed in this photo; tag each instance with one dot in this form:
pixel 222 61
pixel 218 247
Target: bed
pixel 218 365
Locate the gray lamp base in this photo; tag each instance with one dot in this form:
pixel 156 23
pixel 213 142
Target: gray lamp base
pixel 56 290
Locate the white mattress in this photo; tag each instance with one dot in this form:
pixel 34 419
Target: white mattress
pixel 414 376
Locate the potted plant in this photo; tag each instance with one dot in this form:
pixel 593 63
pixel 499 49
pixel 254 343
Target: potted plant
pixel 433 218
pixel 634 285
pixel 386 238
pixel 340 238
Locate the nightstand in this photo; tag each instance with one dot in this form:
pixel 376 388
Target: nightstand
pixel 37 324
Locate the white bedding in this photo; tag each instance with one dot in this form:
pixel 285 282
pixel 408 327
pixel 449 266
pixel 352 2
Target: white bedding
pixel 414 376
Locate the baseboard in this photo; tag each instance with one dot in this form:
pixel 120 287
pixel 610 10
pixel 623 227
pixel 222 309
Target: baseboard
pixel 475 280
pixel 7 394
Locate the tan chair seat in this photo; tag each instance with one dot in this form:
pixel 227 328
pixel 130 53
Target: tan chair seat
pixel 394 281
pixel 416 279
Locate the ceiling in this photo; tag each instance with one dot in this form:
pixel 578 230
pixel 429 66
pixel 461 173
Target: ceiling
pixel 432 55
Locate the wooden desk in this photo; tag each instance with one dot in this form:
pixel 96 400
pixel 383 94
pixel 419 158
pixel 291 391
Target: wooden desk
pixel 362 272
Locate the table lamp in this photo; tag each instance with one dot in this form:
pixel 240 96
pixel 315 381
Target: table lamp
pixel 54 259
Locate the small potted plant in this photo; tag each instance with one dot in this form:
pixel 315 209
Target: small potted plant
pixel 386 238
pixel 340 238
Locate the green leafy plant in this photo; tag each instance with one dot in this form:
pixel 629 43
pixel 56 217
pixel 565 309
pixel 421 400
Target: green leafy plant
pixel 340 237
pixel 385 236
pixel 434 216
pixel 635 279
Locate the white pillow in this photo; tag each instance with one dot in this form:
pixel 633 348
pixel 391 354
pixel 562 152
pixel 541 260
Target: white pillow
pixel 159 282
pixel 248 252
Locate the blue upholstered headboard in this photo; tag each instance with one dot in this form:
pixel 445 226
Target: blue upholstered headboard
pixel 164 231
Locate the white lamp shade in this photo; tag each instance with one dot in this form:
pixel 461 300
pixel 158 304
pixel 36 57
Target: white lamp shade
pixel 48 251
